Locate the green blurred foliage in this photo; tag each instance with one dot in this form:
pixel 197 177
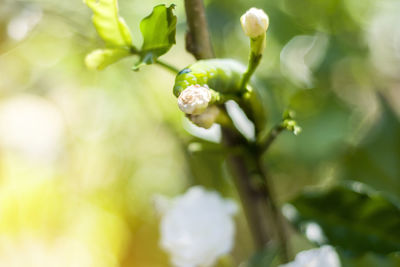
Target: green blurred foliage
pixel 371 260
pixel 378 155
pixel 123 139
pixel 357 222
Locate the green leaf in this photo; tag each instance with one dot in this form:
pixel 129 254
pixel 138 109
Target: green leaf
pixel 376 160
pixel 370 260
pixel 111 28
pixel 354 221
pixel 101 58
pixel 158 30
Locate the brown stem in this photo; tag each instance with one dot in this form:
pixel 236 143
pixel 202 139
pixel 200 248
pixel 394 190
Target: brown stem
pixel 260 209
pixel 279 220
pixel 197 38
pixel 254 200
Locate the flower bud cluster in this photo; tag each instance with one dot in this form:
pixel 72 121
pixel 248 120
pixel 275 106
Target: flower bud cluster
pixel 194 99
pixel 195 102
pixel 292 126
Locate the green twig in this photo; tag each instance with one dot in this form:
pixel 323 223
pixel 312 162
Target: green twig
pixel 254 61
pixel 273 134
pixel 134 51
pixel 257 46
pixel 167 66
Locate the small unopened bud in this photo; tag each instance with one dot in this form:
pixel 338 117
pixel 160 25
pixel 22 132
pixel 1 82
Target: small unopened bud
pixel 194 99
pixel 296 130
pixel 207 118
pixel 254 22
pixel 292 126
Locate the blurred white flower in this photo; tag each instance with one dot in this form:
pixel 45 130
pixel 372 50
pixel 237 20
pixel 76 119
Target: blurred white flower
pixel 194 99
pixel 207 118
pixel 197 227
pixel 254 22
pixel 324 256
pixel 19 27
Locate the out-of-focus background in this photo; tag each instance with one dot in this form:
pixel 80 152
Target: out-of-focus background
pixel 83 152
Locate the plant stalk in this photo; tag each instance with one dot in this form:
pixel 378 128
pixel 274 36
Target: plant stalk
pixel 273 134
pixel 167 66
pixel 198 40
pixel 262 214
pixel 257 46
pixel 254 61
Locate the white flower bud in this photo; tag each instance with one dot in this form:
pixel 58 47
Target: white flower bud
pixel 197 227
pixel 207 118
pixel 254 22
pixel 324 256
pixel 194 99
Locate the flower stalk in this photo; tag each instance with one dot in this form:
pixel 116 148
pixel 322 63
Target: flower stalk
pixel 167 66
pixel 255 24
